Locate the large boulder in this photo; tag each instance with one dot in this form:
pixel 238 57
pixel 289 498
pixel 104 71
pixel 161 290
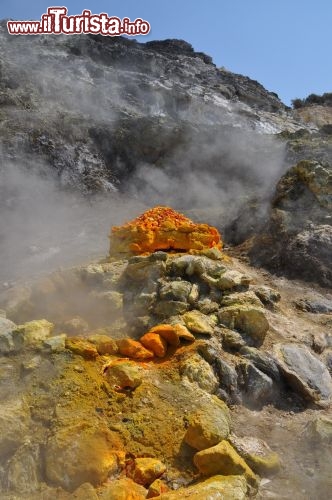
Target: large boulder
pixel 207 429
pixel 258 388
pixel 305 373
pixel 258 455
pixel 198 322
pixel 197 370
pixel 34 333
pixel 82 453
pixel 223 459
pixel 248 319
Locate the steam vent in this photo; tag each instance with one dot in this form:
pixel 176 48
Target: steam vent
pixel 162 228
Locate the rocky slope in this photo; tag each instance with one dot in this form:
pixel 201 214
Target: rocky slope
pixel 122 389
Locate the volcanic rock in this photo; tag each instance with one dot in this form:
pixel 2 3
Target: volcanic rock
pixel 223 459
pixel 56 343
pixel 157 488
pixel 103 343
pixel 206 430
pixel 155 343
pixel 80 453
pixel 197 370
pixel 123 489
pixel 123 374
pixel 81 347
pixel 33 333
pixel 147 470
pixel 305 373
pixel 85 492
pixel 258 388
pixel 7 343
pixel 23 471
pixel 299 230
pixel 320 429
pixel 14 425
pixel 250 320
pixel 225 487
pixel 257 454
pixel 133 349
pixel 198 322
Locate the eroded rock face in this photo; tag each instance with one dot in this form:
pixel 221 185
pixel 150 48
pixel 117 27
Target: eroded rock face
pixel 300 230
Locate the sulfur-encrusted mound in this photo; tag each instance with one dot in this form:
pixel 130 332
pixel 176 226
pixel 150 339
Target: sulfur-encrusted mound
pixel 162 228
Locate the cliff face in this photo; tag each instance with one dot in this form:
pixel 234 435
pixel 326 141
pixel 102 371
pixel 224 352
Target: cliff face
pixel 94 108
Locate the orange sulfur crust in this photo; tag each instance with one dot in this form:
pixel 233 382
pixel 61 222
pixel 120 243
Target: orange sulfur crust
pixel 162 228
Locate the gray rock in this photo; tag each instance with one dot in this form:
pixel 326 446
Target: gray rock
pixel 232 279
pixel 305 373
pixel 262 360
pixel 328 360
pixel 258 388
pixel 232 340
pixel 14 426
pixel 241 298
pixel 199 323
pixel 320 429
pixel 207 306
pixel 250 320
pixel 207 429
pixel 196 369
pixel 302 245
pixel 144 270
pixel 166 308
pixel 7 343
pixel 143 303
pixel 267 295
pixel 23 472
pixel 321 341
pixel 315 306
pixel 192 265
pixel 56 343
pixel 107 275
pixel 175 290
pixel 226 373
pixel 258 455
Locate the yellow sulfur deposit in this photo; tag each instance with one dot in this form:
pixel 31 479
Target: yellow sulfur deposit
pixel 162 228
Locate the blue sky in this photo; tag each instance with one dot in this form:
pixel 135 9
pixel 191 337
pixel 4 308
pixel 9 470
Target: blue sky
pixel 285 45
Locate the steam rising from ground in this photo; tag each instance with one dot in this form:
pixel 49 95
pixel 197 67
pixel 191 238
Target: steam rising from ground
pixel 56 88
